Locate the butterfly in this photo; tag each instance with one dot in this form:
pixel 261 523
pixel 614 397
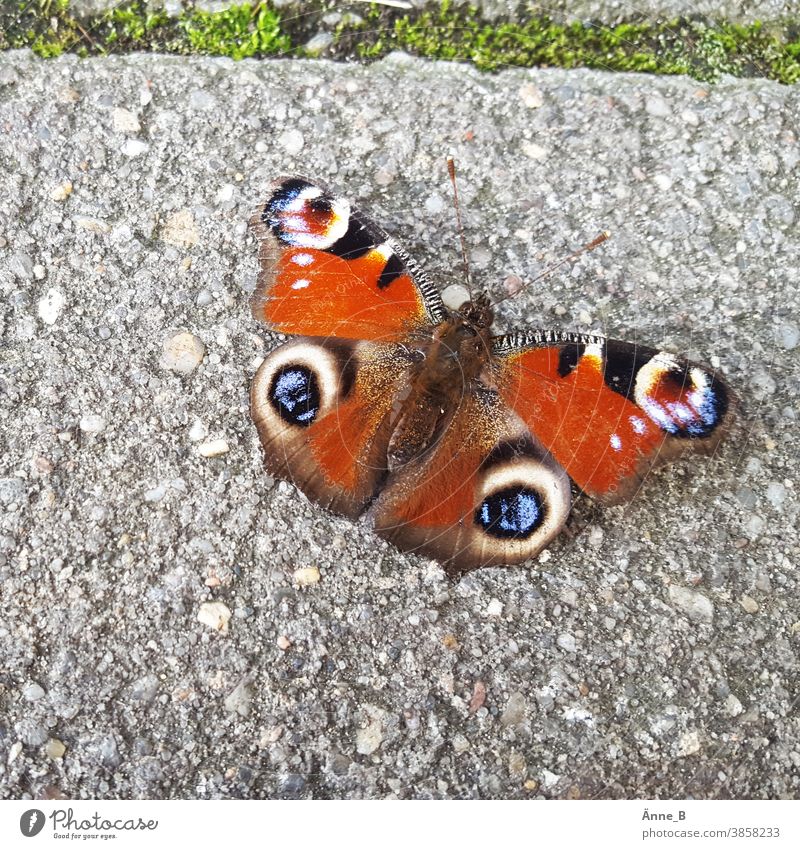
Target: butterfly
pixel 456 443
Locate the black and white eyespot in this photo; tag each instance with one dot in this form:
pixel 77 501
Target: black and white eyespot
pixel 304 216
pixel 522 502
pixel 297 384
pixel 686 401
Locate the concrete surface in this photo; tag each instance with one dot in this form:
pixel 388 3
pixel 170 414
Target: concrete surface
pixel 154 638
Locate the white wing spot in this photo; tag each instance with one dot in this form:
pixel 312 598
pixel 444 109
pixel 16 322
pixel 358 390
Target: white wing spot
pixel 638 424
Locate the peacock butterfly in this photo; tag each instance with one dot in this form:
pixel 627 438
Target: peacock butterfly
pixel 456 443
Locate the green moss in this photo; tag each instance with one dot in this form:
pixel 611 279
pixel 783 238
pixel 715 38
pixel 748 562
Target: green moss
pixel 442 31
pixel 237 32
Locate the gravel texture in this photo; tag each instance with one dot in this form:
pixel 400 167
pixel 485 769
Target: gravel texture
pixel 173 623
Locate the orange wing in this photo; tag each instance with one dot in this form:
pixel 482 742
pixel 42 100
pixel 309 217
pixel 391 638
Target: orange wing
pixel 484 494
pixel 609 410
pixel 327 270
pixel 322 410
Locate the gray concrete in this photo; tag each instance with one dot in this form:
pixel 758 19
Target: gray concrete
pixel 651 651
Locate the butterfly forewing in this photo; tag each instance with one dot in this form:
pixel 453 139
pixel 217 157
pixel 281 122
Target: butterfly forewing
pixel 608 410
pixel 327 270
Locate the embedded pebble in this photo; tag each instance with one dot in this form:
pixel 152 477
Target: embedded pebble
pixel 595 538
pixel 733 706
pixel 776 494
pixel 62 191
pixel 694 604
pixel 50 306
pixel 283 642
pixel 201 100
pixel 33 692
pixel 156 494
pixel 307 576
pixel 749 604
pixel 225 193
pixel 321 41
pixel 134 147
pixel 291 141
pixel 197 432
pixel 657 106
pixel 125 121
pixel 495 607
pixel 240 699
pixel 534 151
pixel 369 738
pixel 567 642
pixel 213 448
pixel 55 748
pixel 789 336
pixel 21 266
pixel 689 744
pixel 531 96
pixel 434 205
pixel 11 490
pixel 180 229
pixel 14 752
pixel 455 295
pixel 215 614
pixel 92 424
pixel 182 353
pixel 663 182
pixel 514 712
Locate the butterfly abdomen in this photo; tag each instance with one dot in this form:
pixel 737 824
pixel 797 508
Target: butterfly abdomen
pixel 455 355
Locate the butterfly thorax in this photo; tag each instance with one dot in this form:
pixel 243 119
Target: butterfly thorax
pixel 455 354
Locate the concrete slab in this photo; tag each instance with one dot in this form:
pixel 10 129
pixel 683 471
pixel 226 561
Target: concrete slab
pixel 151 620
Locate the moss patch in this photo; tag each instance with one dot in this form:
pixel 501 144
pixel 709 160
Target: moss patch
pixel 686 46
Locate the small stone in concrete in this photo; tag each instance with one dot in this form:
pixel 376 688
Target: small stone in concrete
pixel 749 604
pixel 125 121
pixel 291 141
pixel 694 604
pixel 33 692
pixel 213 448
pixel 62 191
pixel 50 306
pixel 182 353
pixel 239 700
pixel 215 614
pixel 514 712
pixel 180 229
pixel 55 748
pixel 92 424
pixel 134 147
pixel 307 576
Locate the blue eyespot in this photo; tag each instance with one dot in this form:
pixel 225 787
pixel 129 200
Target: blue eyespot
pixel 512 513
pixel 295 395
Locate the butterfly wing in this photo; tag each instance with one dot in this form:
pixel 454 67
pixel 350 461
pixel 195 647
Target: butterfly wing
pixel 485 494
pixel 327 270
pixel 322 407
pixel 608 411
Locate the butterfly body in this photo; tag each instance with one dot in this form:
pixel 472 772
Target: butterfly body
pixel 454 442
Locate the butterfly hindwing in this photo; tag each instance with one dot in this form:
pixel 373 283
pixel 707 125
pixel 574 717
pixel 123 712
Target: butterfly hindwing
pixel 327 270
pixel 485 493
pixel 321 407
pixel 608 411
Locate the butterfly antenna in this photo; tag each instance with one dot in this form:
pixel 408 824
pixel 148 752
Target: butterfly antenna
pixel 589 246
pixel 451 170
